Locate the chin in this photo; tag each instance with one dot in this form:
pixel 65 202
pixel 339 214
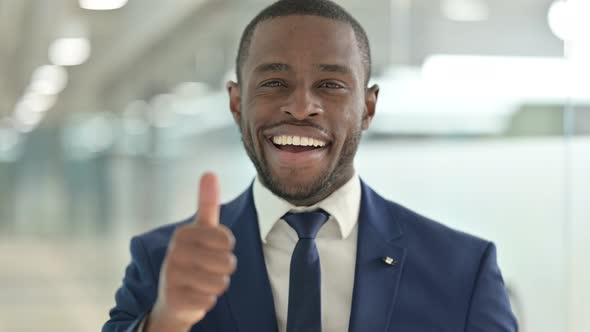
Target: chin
pixel 297 184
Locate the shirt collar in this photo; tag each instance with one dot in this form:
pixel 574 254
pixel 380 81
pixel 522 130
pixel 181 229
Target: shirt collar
pixel 343 205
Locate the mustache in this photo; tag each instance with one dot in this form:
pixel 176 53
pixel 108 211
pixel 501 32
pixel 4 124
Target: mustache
pixel 300 123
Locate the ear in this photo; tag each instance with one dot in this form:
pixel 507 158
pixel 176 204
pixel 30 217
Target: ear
pixel 233 90
pixel 371 96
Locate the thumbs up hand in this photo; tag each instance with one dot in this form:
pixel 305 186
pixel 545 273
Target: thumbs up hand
pixel 197 266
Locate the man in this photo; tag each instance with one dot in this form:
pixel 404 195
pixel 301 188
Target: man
pixel 309 246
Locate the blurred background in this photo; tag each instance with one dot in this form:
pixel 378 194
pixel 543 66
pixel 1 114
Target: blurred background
pixel 110 110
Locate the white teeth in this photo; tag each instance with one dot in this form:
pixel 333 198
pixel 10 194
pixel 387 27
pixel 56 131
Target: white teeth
pixel 297 140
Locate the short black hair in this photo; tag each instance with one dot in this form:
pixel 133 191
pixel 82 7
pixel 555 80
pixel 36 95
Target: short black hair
pixel 321 8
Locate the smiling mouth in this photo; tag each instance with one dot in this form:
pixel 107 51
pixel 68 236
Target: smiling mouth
pixel 297 144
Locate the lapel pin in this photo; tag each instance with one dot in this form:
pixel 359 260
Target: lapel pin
pixel 389 261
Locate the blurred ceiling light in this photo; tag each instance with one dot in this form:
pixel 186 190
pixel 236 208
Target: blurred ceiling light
pixel 188 94
pixel 69 51
pixel 161 110
pixel 49 80
pixel 134 118
pixel 9 138
pixel 86 134
pixel 26 119
pixel 102 4
pixel 465 10
pixel 9 143
pixel 38 102
pixel 100 133
pixel 570 20
pixel 189 90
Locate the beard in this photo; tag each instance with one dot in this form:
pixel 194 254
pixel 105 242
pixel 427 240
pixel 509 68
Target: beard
pixel 322 186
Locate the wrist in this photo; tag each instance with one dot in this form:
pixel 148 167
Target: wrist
pixel 160 321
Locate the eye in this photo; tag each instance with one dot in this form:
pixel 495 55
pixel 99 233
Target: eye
pixel 331 85
pixel 272 84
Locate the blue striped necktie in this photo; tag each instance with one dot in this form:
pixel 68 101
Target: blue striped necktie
pixel 304 310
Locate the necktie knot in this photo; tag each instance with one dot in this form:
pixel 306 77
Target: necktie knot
pixel 307 224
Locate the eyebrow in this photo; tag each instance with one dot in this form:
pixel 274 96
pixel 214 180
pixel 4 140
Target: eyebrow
pixel 335 68
pixel 275 67
pixel 272 67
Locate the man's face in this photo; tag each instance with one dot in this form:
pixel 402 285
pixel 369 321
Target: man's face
pixel 302 105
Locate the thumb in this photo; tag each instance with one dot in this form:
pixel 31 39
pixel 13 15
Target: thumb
pixel 208 213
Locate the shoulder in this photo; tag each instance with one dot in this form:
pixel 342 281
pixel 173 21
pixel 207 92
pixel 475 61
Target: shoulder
pixel 426 232
pixel 428 236
pixel 432 247
pixel 417 225
pixel 452 267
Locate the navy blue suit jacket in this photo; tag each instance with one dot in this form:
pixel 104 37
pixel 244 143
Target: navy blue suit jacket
pixel 444 280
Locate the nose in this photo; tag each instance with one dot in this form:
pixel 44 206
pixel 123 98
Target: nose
pixel 302 104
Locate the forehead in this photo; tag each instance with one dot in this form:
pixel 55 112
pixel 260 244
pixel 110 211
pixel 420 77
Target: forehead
pixel 302 42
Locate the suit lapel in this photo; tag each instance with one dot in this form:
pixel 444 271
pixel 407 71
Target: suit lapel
pixel 249 295
pixel 375 282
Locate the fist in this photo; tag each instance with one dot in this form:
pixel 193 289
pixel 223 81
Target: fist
pixel 197 267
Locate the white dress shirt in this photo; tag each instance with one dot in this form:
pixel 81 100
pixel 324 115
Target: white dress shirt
pixel 336 242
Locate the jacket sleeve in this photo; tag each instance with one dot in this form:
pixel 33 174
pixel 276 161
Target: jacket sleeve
pixel 490 309
pixel 136 296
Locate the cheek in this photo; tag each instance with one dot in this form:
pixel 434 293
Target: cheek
pixel 250 126
pixel 348 122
